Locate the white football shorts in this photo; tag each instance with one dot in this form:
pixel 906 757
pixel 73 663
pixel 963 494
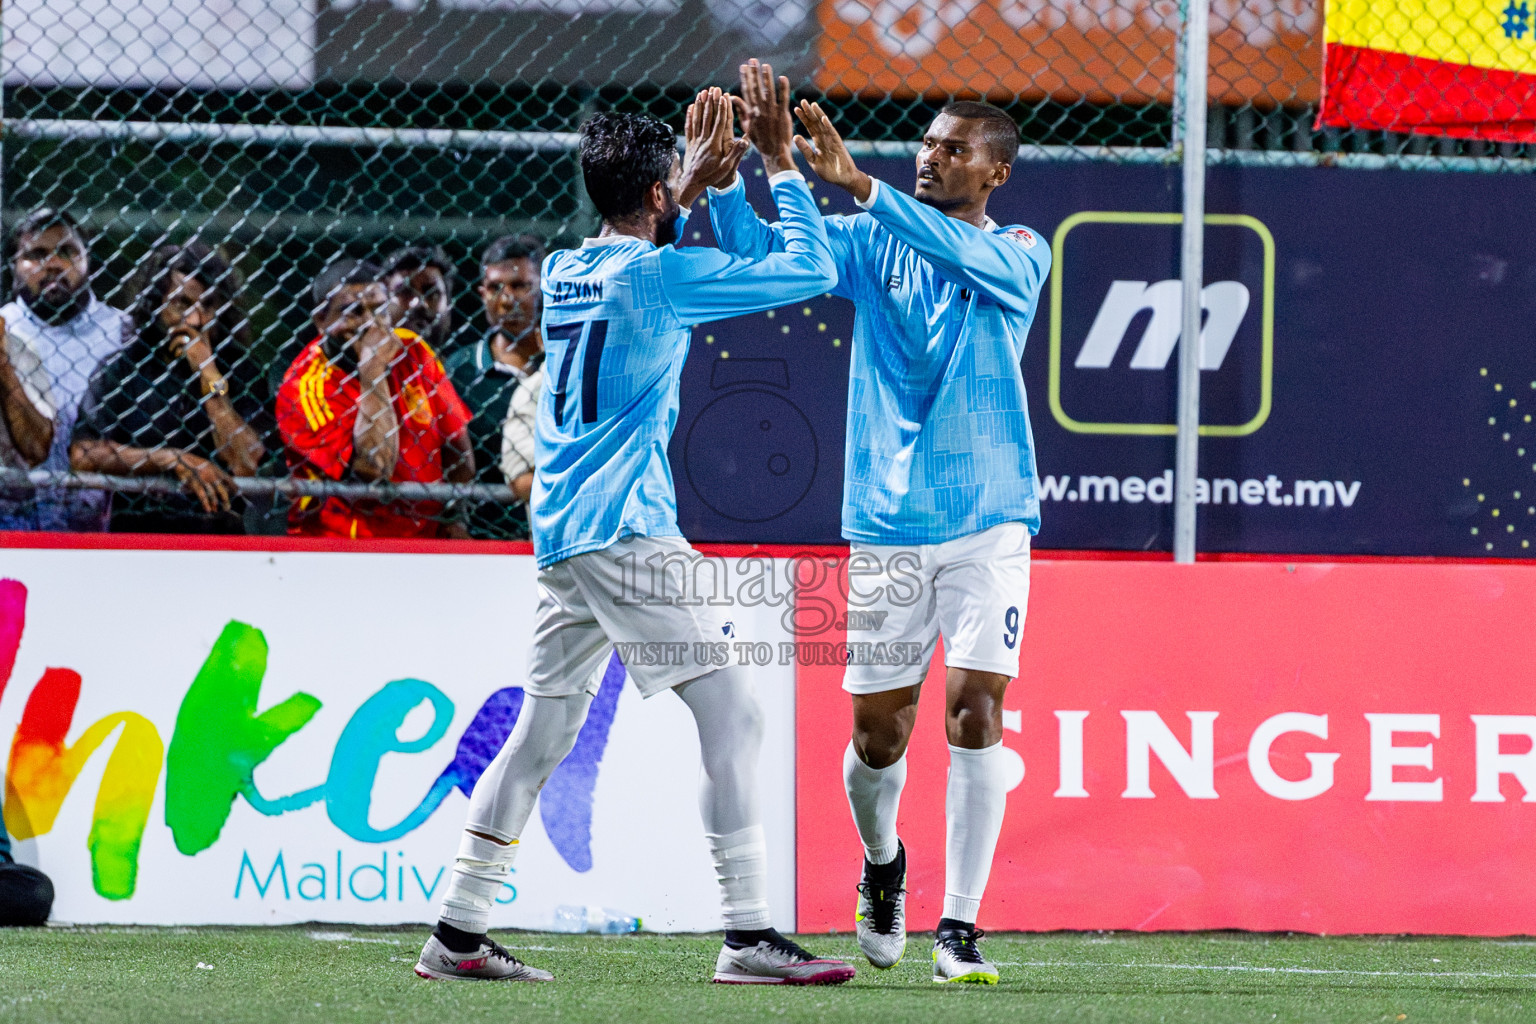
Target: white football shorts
pixel 623 594
pixel 972 590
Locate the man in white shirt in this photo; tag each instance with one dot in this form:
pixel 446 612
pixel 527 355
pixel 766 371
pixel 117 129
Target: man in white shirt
pixel 26 405
pixel 57 320
pixel 517 430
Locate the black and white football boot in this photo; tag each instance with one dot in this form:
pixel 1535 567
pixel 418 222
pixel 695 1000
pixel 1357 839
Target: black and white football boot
pixel 957 958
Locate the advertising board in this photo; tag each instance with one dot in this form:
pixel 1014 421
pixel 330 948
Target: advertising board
pixel 254 737
pixel 247 737
pixel 1312 747
pixel 255 44
pixel 1105 51
pixel 1366 389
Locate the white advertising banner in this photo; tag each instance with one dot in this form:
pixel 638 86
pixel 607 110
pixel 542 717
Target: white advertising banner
pixel 247 737
pixel 221 44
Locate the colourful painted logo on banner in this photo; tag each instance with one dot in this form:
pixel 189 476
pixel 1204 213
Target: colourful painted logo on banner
pixel 219 739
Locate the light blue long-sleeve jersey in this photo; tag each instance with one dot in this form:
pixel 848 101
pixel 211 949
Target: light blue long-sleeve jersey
pixel 939 444
pixel 617 313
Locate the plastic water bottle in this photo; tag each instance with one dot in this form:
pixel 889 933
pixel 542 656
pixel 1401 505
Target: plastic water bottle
pixel 594 919
pixel 569 919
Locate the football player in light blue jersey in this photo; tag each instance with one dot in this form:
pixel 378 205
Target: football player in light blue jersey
pixel 940 485
pixel 617 314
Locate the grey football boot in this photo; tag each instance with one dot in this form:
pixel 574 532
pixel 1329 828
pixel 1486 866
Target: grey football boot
pixel 491 962
pixel 777 961
pixel 880 922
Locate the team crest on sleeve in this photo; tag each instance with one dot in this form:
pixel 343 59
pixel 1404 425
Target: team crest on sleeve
pixel 1023 236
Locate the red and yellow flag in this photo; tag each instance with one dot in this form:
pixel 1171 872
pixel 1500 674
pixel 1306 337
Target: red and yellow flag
pixel 1465 68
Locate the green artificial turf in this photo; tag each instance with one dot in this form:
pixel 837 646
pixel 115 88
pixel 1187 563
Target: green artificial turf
pixel 327 973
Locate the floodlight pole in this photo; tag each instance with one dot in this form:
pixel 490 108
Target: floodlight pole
pixel 1196 53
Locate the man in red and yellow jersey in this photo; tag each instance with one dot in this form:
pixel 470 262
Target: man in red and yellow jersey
pixel 365 401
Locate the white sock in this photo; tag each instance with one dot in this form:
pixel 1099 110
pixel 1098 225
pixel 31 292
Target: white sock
pixel 502 800
pixel 973 816
pixel 545 732
pixel 874 796
pixel 478 875
pixel 741 865
pixel 730 725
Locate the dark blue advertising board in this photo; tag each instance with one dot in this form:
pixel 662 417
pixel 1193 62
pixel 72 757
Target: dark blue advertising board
pixel 1368 368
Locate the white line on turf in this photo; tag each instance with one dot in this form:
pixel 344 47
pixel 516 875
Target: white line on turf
pixel 349 937
pixel 1245 968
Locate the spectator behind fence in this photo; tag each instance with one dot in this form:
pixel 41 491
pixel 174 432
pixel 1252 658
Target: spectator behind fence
pixel 183 397
pixel 499 375
pixel 420 280
pixel 367 402
pixel 57 321
pixel 26 406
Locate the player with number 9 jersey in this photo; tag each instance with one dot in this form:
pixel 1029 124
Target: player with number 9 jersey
pixel 940 496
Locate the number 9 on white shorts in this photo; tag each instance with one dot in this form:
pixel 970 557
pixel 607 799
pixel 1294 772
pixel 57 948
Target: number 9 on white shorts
pixel 972 591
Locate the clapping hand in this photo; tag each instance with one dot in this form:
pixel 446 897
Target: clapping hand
pixel 765 118
pixel 827 154
pixel 712 151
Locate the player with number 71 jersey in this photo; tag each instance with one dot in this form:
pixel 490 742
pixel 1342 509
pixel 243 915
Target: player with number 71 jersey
pixel 617 319
pixel 617 313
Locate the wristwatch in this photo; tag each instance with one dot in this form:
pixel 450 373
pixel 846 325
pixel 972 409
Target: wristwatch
pixel 218 386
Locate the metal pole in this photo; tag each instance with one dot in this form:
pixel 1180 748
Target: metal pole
pixel 183 133
pixel 253 486
pixel 1186 461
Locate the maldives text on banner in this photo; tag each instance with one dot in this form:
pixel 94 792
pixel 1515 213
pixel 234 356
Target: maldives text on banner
pixel 245 737
pixel 1309 747
pixel 1464 68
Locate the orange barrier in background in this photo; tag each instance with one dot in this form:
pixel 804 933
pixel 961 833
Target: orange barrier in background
pixel 1268 52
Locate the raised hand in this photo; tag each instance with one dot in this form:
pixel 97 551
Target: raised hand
pixel 192 345
pixel 712 151
pixel 827 154
pixel 735 149
pixel 378 346
pixel 765 115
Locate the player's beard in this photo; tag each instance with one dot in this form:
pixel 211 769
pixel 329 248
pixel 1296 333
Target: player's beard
pixel 666 230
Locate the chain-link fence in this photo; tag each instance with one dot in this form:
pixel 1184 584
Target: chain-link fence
pixel 219 156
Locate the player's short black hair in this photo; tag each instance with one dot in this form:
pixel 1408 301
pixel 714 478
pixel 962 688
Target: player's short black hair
pixel 623 155
pixel 415 257
pixel 41 220
pixel 342 272
pixel 512 247
pixel 1002 134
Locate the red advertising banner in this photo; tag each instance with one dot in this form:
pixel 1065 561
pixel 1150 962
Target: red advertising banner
pixel 1333 748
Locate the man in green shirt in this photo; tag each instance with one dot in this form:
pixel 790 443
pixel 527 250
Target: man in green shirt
pixel 489 373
